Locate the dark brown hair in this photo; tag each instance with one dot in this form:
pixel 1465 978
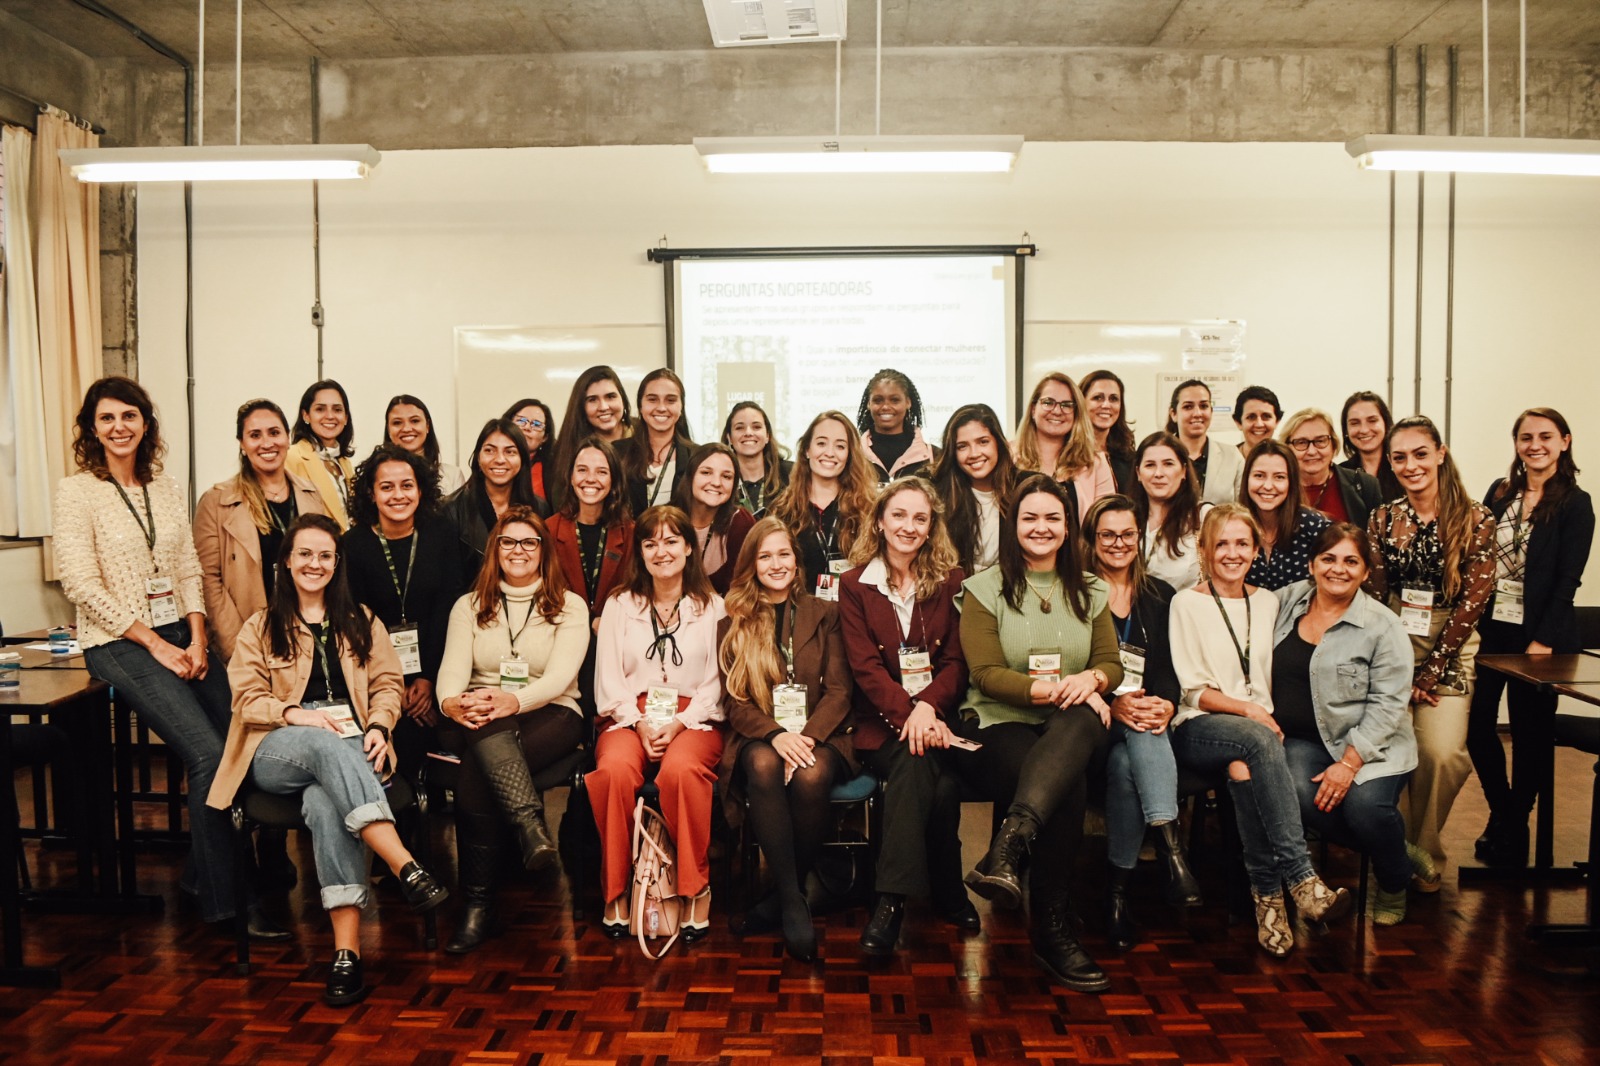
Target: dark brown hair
pixel 1287 519
pixel 1119 438
pixel 1337 531
pixel 1562 481
pixel 1183 512
pixel 86 447
pixel 349 623
pixel 638 580
pixel 615 505
pixel 683 498
pixel 1014 572
pixel 963 518
pixel 364 509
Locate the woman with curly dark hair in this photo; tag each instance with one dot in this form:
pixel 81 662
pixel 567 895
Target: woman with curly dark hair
pixel 890 420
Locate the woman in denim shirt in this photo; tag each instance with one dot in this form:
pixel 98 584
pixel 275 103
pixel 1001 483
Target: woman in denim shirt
pixel 1341 680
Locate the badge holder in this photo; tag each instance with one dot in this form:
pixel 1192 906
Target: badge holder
pixel 407 643
pixel 789 707
pixel 1508 601
pixel 1044 664
pixel 1132 657
pixel 660 705
pixel 340 713
pixel 916 669
pixel 827 587
pixel 163 603
pixel 513 675
pixel 1416 611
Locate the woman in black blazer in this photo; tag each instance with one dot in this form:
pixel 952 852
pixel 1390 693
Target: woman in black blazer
pixel 1545 524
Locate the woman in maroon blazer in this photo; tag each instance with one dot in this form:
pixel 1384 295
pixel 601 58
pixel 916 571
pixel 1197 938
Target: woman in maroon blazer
pixel 593 539
pixel 902 638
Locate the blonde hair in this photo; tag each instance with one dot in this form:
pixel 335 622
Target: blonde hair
pixel 937 557
pixel 1077 451
pixel 1291 425
pixel 749 653
pixel 1211 530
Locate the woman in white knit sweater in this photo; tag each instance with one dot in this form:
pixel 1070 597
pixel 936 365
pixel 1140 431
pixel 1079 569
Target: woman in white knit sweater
pixel 509 685
pixel 126 557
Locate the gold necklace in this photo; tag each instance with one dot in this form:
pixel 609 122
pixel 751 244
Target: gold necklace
pixel 1044 601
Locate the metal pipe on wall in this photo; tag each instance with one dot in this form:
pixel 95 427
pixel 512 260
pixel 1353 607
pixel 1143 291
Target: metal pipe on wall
pixel 1450 259
pixel 316 219
pixel 1394 106
pixel 1422 128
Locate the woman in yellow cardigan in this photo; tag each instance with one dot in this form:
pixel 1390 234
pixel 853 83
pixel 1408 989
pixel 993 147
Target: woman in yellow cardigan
pixel 332 748
pixel 323 444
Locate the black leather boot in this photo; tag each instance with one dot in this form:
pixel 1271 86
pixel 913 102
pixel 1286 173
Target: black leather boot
pixel 1120 929
pixel 500 756
pixel 1057 950
pixel 1183 890
pixel 998 875
pixel 476 837
pixel 883 931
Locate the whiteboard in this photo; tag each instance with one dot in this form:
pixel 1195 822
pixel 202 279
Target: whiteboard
pixel 498 365
pixel 1150 358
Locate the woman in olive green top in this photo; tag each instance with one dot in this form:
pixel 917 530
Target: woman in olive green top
pixel 1041 649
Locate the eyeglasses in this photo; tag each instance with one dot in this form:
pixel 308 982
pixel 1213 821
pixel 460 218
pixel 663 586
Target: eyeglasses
pixel 528 544
pixel 529 423
pixel 1109 537
pixel 304 556
pixel 1050 403
pixel 1300 444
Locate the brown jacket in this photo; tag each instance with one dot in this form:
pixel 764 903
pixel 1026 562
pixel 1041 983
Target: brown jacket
pixel 820 665
pixel 229 546
pixel 265 686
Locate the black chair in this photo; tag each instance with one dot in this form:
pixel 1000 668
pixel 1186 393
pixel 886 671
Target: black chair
pixel 254 809
pixel 861 790
pixel 1581 732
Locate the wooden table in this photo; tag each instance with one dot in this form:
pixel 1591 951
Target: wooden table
pixel 32 659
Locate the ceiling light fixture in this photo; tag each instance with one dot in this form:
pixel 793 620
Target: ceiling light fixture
pixel 250 162
pixel 995 154
pixel 1476 155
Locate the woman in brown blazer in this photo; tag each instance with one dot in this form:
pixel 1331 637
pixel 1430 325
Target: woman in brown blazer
pixel 240 521
pixel 788 705
pixel 333 748
pixel 903 639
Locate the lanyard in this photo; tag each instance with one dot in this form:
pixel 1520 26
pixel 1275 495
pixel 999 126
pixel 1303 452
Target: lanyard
pixel 830 540
pixel 505 605
pixel 664 637
pixel 780 614
pixel 411 568
pixel 294 512
pixel 661 477
pixel 591 570
pixel 148 531
pixel 319 637
pixel 761 495
pixel 1244 653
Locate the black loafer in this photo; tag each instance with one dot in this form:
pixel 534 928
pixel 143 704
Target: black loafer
pixel 345 981
pixel 420 889
pixel 882 932
pixel 963 916
pixel 263 929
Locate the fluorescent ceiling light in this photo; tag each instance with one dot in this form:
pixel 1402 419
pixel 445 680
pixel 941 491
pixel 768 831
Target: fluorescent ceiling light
pixel 260 162
pixel 1476 155
pixel 745 22
pixel 859 155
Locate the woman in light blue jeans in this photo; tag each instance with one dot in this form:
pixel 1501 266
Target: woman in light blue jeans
pixel 317 685
pixel 1141 772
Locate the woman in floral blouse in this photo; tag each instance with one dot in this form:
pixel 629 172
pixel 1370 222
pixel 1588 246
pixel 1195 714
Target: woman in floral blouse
pixel 1436 569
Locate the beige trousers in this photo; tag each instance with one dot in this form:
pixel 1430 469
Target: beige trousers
pixel 1443 764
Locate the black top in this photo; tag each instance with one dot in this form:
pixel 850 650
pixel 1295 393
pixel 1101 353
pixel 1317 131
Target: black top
pixel 750 495
pixel 1121 471
pixel 430 591
pixel 1361 492
pixel 1291 688
pixel 639 487
pixel 1385 485
pixel 329 686
pixel 1146 628
pixel 820 544
pixel 282 515
pixel 889 447
pixel 1557 552
pixel 592 553
pixel 471 516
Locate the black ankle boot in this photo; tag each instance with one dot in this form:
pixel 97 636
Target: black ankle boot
pixel 1508 846
pixel 479 856
pixel 998 875
pixel 1120 929
pixel 346 984
pixel 1056 948
pixel 500 756
pixel 1183 890
pixel 883 931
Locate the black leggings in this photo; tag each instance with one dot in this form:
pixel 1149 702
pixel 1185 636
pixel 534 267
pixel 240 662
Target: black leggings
pixel 1042 772
pixel 789 821
pixel 549 734
pixel 1533 738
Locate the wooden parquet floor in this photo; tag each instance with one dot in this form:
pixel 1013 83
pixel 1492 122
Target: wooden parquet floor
pixel 1457 983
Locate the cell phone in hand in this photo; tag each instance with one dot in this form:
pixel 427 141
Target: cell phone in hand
pixel 964 744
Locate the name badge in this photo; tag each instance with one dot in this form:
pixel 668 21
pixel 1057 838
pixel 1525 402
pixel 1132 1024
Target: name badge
pixel 1416 610
pixel 916 669
pixel 838 566
pixel 408 646
pixel 1132 658
pixel 513 674
pixel 660 704
pixel 1044 666
pixel 1507 601
pixel 340 714
pixel 827 587
pixel 163 604
pixel 789 706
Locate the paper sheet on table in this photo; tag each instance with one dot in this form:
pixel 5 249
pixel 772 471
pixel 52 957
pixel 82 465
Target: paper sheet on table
pixel 73 647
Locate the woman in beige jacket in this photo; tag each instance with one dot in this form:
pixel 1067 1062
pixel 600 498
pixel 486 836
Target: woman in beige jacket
pixel 332 748
pixel 240 522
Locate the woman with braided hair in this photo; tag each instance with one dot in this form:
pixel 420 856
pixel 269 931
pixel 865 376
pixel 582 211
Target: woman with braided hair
pixel 890 419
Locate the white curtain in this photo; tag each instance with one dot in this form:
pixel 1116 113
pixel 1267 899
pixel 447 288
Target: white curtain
pixel 25 473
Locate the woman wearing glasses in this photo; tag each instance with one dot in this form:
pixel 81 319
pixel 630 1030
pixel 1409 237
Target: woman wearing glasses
pixel 509 684
pixel 331 748
pixel 1339 493
pixel 1056 438
pixel 1216 465
pixel 538 430
pixel 1141 772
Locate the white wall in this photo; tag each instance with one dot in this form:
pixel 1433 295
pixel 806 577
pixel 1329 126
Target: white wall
pixel 29 602
pixel 1290 238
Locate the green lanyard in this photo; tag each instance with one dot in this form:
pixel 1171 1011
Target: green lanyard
pixel 411 568
pixel 761 496
pixel 294 512
pixel 780 615
pixel 1244 653
pixel 319 637
pixel 506 606
pixel 148 531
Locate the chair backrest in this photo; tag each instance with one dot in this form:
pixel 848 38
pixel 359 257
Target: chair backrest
pixel 1588 626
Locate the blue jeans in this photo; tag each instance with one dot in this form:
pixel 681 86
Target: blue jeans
pixel 191 718
pixel 1369 818
pixel 1267 806
pixel 1141 790
pixel 340 795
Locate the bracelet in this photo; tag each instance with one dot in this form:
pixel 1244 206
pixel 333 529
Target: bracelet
pixel 1347 766
pixel 382 729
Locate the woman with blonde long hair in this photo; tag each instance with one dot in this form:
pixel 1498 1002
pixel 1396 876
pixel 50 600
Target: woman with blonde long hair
pixel 830 495
pixel 788 685
pixel 1057 438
